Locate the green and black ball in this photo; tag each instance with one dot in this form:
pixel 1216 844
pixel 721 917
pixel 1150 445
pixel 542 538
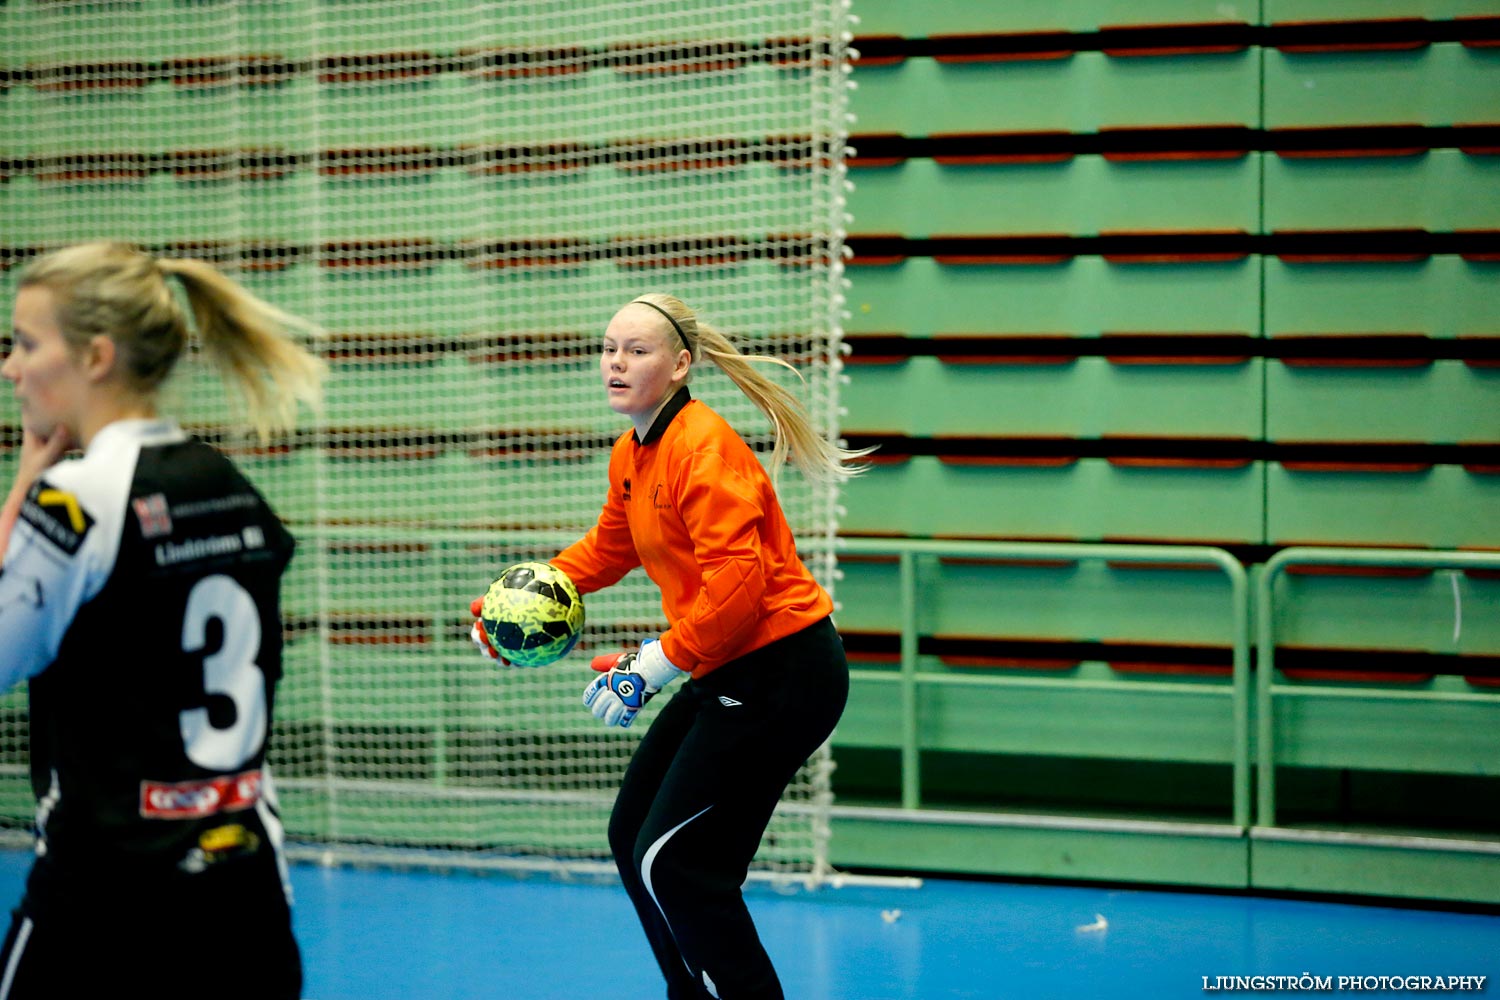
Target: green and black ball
pixel 532 614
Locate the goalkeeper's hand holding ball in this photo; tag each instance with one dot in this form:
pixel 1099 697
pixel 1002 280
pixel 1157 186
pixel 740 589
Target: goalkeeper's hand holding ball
pixel 479 638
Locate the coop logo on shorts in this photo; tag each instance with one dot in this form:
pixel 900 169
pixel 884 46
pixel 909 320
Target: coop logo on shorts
pixel 196 799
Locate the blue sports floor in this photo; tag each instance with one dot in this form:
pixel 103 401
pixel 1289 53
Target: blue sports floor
pixel 408 935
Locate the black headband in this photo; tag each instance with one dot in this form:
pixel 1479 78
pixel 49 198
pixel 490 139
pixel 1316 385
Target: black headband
pixel 680 335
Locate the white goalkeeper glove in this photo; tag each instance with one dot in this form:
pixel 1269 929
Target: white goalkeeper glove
pixel 628 681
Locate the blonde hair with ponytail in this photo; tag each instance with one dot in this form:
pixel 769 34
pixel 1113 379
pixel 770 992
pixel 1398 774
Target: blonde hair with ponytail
pixel 792 429
pixel 116 290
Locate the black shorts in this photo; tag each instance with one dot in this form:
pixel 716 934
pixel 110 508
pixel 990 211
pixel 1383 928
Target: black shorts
pixel 225 932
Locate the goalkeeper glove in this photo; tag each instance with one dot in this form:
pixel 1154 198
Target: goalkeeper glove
pixel 629 681
pixel 478 636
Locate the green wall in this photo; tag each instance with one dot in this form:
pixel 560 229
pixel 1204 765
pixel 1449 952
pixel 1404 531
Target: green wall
pixel 1182 275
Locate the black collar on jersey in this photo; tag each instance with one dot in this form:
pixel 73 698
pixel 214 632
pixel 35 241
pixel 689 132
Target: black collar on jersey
pixel 679 399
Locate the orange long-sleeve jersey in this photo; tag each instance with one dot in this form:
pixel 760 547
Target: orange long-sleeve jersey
pixel 692 506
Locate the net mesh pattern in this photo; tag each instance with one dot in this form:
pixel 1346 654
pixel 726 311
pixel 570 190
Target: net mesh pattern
pixel 459 194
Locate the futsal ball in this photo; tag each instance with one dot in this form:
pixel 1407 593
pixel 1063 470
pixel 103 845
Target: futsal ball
pixel 532 614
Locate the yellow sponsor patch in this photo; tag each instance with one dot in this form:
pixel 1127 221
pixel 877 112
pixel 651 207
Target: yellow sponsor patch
pixel 68 502
pixel 57 515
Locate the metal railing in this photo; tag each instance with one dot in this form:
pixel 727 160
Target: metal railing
pixel 1265 686
pixel 907 551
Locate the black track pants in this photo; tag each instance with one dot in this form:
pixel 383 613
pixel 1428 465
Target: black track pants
pixel 698 795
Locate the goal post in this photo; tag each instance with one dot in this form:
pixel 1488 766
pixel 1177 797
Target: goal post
pixel 459 194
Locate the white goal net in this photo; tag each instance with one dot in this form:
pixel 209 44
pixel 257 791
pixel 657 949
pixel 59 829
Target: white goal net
pixel 460 193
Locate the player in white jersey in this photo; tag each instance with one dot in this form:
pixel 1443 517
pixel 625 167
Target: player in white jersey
pixel 139 596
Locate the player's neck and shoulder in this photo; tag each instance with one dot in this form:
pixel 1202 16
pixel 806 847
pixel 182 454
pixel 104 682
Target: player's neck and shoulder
pixel 112 462
pixel 686 425
pixel 135 432
pixel 685 431
pixel 109 460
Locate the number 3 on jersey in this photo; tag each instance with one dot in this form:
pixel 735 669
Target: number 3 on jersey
pixel 231 671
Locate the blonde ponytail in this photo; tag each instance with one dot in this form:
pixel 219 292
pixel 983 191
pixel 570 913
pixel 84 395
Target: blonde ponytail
pixel 247 339
pixel 115 290
pixel 792 429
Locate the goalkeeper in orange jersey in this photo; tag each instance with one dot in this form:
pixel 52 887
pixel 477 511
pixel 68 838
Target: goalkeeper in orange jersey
pixel 749 634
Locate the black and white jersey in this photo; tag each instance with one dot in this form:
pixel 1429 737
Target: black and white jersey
pixel 140 596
